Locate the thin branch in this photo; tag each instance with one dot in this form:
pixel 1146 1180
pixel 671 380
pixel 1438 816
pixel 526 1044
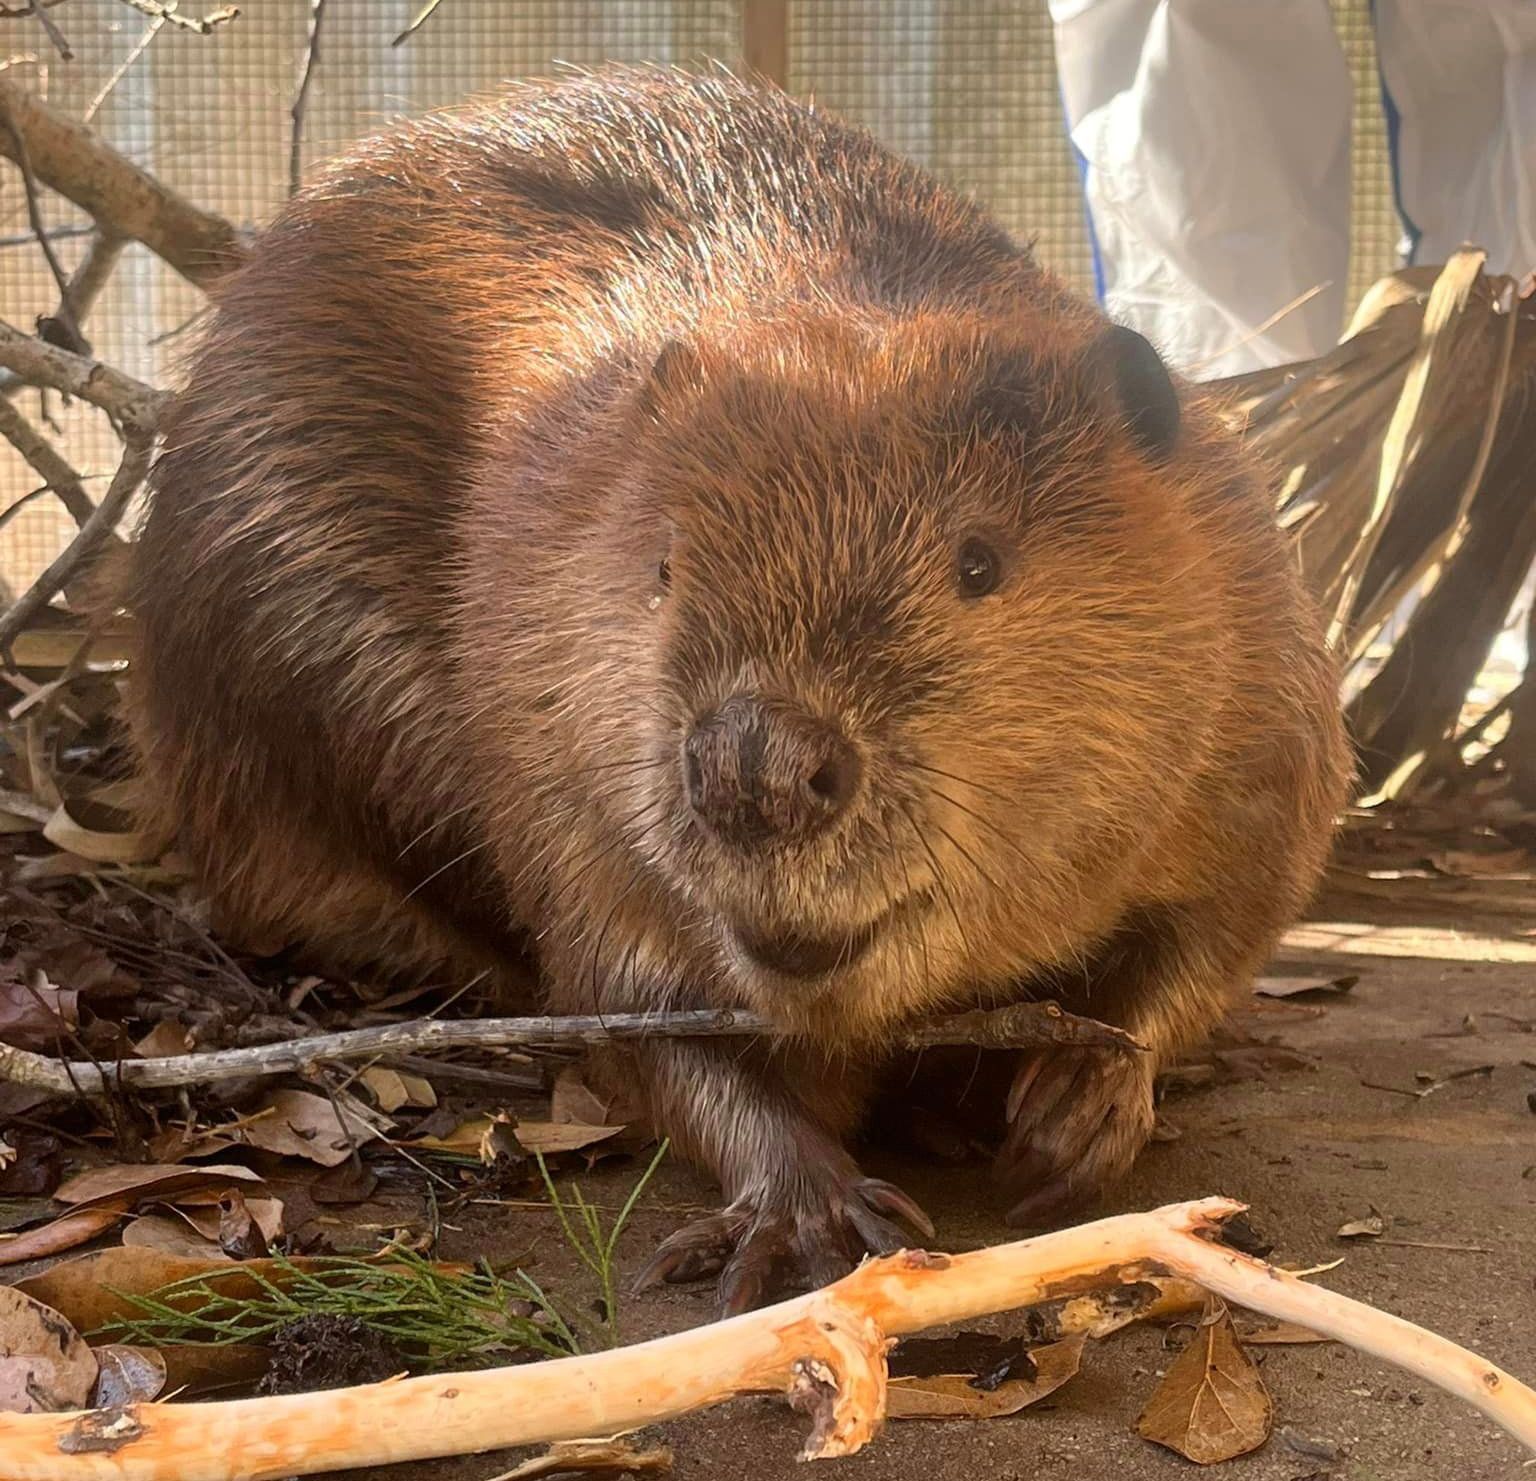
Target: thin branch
pixel 68 157
pixel 93 534
pixel 166 10
pixel 38 10
pixel 85 286
pixel 123 68
pixel 301 97
pixel 1022 1025
pixel 57 475
pixel 68 322
pixel 826 1352
pixel 422 17
pixel 136 406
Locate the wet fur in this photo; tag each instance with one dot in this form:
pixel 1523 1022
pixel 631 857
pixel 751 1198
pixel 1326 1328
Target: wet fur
pixel 412 686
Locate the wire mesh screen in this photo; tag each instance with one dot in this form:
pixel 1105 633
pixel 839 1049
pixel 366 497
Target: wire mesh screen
pixel 968 89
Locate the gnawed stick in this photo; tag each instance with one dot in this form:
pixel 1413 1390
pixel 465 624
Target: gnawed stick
pixel 1018 1026
pixel 826 1351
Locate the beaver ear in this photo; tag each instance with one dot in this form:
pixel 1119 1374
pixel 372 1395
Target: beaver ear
pixel 1143 389
pixel 675 368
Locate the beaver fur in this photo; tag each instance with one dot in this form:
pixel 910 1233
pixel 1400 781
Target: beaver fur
pixel 641 521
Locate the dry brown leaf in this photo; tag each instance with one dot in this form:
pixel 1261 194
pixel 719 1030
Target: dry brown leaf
pixel 86 1290
pixel 549 1137
pixel 955 1396
pixel 393 1089
pixel 34 1012
pixel 171 1236
pixel 45 1364
pixel 1212 1404
pixel 67 1232
pixel 309 1126
pixel 573 1102
pixel 177 1143
pixel 194 1369
pixel 95 846
pixel 129 1375
pixel 166 1040
pixel 1367 1228
pixel 578 1457
pixel 140 1180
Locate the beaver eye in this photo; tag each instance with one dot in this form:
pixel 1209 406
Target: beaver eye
pixel 977 570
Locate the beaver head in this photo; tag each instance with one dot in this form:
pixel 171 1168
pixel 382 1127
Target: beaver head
pixel 893 644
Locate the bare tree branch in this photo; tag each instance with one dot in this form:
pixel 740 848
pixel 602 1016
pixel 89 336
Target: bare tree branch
pixel 124 199
pixel 136 406
pixel 421 18
pixel 1019 1026
pixel 57 475
pixel 166 10
pixel 93 534
pixel 84 288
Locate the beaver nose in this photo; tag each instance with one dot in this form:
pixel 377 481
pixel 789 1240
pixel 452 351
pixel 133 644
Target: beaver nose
pixel 759 771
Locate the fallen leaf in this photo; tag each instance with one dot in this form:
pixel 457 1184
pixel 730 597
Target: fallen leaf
pixel 30 1162
pixel 170 1236
pixel 956 1396
pixel 92 1290
pixel 572 1102
pixel 310 1126
pixel 1367 1228
pixel 45 1365
pixel 549 1137
pixel 178 1143
pixel 129 1375
pixel 240 1233
pixel 166 1040
pixel 98 847
pixel 34 1013
pixel 393 1089
pixel 1212 1404
pixel 67 1232
pixel 352 1181
pixel 1290 987
pixel 578 1457
pixel 140 1180
pixel 197 1368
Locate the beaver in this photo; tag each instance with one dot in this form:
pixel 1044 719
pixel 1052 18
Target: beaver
pixel 640 525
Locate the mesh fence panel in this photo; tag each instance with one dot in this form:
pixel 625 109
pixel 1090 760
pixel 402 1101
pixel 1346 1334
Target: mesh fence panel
pixel 968 89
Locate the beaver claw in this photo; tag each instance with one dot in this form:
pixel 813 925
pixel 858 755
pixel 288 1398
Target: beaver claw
pixel 752 1247
pixel 1076 1120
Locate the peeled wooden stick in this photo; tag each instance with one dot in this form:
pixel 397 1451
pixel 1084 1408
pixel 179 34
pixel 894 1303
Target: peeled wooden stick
pixel 826 1351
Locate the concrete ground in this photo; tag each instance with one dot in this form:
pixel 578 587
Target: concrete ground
pixel 1310 1144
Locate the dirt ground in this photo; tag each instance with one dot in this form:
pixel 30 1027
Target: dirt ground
pixel 1304 1139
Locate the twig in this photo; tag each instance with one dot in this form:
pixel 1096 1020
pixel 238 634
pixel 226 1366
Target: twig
pixel 1023 1025
pixel 68 157
pixel 93 533
pixel 123 68
pixel 136 406
pixel 825 1352
pixel 301 97
pixel 38 10
pixel 165 10
pixel 68 323
pixel 84 288
pixel 422 17
pixel 57 475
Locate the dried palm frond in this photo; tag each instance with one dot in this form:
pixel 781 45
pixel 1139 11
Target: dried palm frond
pixel 1407 458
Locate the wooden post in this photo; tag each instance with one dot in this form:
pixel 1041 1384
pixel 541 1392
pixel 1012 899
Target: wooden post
pixel 765 39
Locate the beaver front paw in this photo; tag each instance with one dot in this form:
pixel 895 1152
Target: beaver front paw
pixel 1076 1120
pixel 805 1236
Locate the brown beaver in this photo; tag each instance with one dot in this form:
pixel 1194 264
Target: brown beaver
pixel 643 519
